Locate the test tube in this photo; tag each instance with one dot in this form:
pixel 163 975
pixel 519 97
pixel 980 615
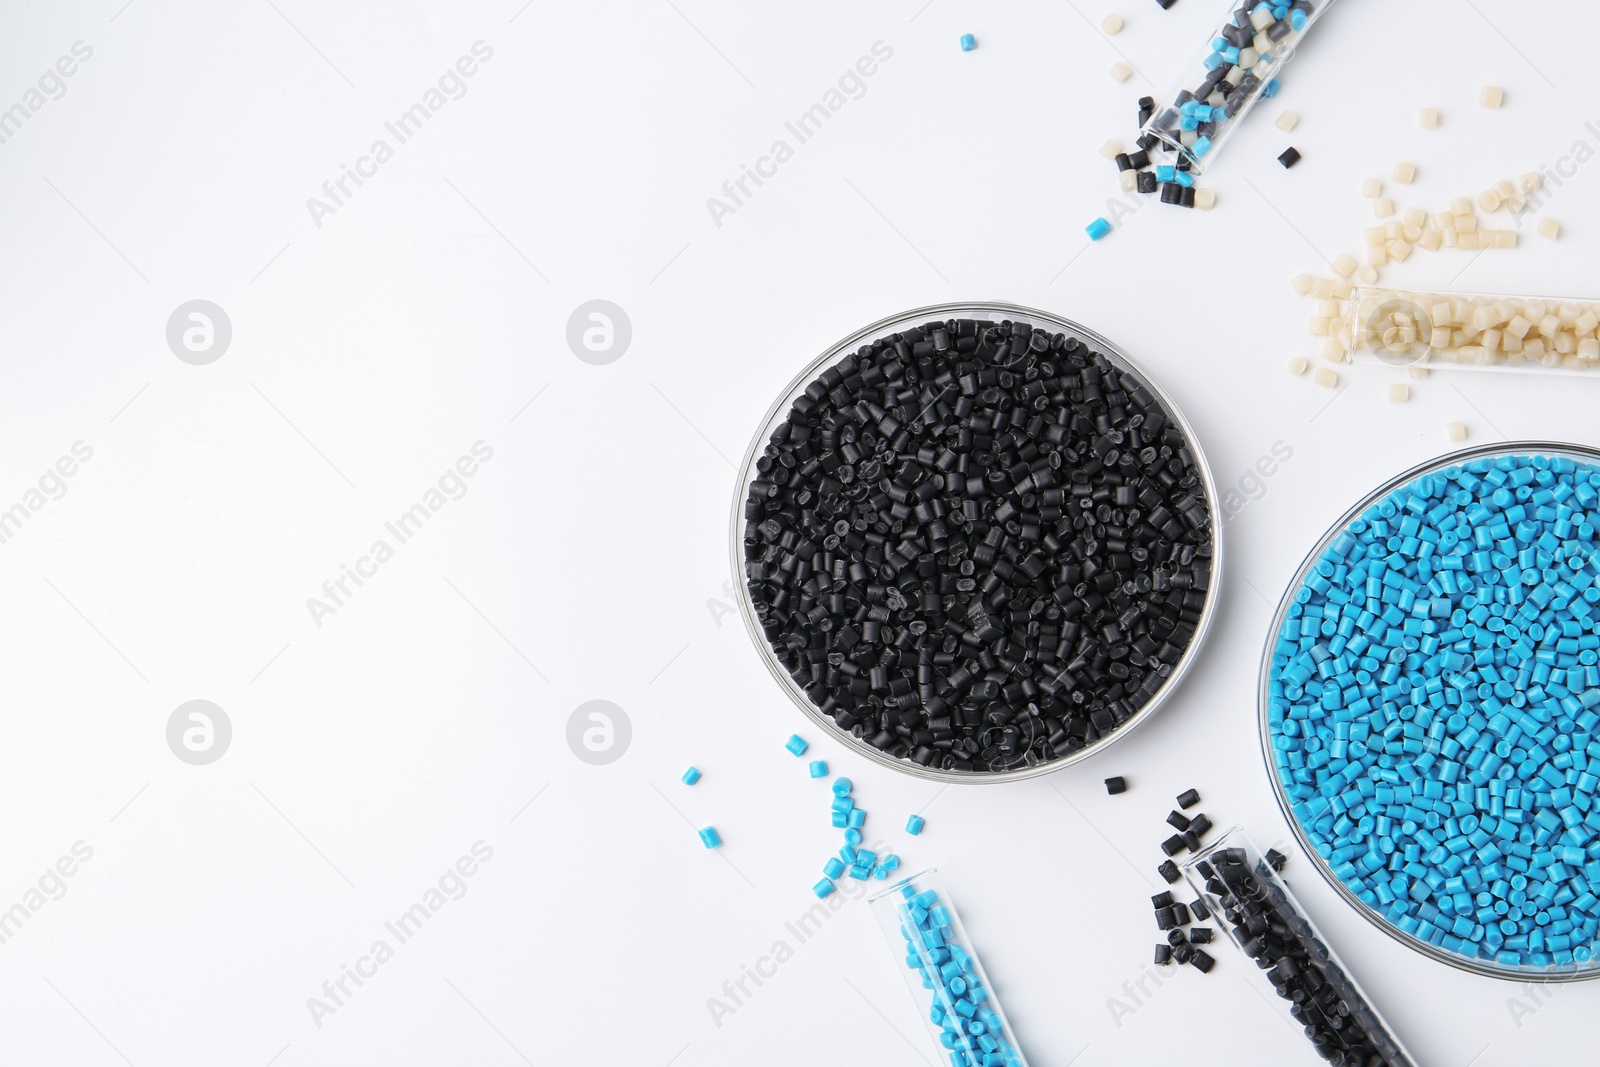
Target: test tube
pixel 1238 66
pixel 1268 924
pixel 943 973
pixel 1411 328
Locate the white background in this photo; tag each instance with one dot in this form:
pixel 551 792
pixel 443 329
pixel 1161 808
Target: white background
pixel 589 556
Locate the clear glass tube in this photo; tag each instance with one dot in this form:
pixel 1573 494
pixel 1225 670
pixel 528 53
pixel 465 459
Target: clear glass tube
pixel 942 971
pixel 1474 331
pixel 1259 914
pixel 1226 79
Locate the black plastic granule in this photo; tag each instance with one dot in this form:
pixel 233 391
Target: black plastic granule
pixel 1178 821
pixel 978 546
pixel 1276 859
pixel 1199 910
pixel 1163 954
pixel 1188 799
pixel 1116 785
pixel 1172 845
pixel 1200 935
pixel 1202 960
pixel 1200 824
pixel 1161 900
pixel 1169 871
pixel 1180 912
pixel 1289 157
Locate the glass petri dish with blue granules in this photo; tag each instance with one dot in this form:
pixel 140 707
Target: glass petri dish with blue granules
pixel 1430 703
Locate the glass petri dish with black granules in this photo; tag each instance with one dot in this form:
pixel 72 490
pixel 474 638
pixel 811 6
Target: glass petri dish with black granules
pixel 976 542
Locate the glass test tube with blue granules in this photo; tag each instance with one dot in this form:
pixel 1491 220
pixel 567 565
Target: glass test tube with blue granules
pixel 943 973
pixel 1238 66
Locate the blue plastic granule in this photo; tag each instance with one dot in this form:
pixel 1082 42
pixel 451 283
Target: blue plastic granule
pixel 914 825
pixel 691 776
pixel 710 838
pixel 1432 704
pixel 1097 229
pixel 796 745
pixel 818 769
pixel 968 42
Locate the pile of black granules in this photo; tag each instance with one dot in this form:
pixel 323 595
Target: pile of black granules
pixel 978 546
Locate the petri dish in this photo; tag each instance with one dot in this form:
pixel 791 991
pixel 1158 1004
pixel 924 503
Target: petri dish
pixel 1030 762
pixel 1579 962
